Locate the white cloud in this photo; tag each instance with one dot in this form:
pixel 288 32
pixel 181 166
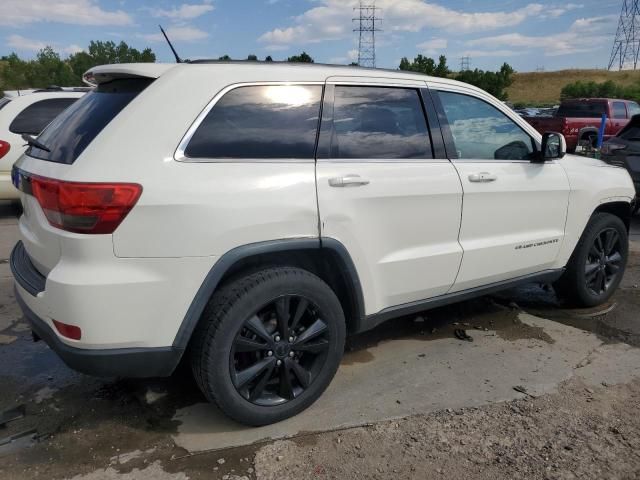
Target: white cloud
pixel 27 44
pixel 433 46
pixel 331 20
pixel 186 11
pixel 584 35
pixel 178 33
pixel 76 12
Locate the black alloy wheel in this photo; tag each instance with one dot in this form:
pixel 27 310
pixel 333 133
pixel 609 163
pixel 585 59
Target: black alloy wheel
pixel 279 351
pixel 604 261
pixel 268 344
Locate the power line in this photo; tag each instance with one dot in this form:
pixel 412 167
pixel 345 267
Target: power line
pixel 626 45
pixel 465 63
pixel 367 29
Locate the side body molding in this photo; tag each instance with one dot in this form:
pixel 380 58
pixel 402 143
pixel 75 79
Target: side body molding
pixel 226 262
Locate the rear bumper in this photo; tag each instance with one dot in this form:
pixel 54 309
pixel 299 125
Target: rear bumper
pixel 122 362
pixel 101 362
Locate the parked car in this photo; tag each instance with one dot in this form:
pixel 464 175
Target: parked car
pixel 249 216
pixel 623 150
pixel 579 120
pixel 27 111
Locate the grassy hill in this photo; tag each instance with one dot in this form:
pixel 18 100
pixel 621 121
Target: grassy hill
pixel 544 87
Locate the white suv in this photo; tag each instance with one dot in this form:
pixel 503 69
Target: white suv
pixel 247 216
pixel 27 112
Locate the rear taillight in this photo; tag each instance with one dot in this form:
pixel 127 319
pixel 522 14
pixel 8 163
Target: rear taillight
pixel 84 207
pixel 4 148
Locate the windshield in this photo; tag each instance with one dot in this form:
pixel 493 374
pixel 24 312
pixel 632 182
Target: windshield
pixel 70 133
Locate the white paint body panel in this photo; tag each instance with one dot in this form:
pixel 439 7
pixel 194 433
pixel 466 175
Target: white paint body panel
pixel 401 229
pixel 525 205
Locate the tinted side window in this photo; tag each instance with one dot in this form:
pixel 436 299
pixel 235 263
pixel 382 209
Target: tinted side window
pixel 36 116
pixel 481 131
pixel 619 110
pixel 274 121
pixel 379 122
pixel 634 108
pixel 4 101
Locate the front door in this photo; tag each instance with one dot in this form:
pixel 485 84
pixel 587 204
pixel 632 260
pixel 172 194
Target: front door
pixel 383 195
pixel 514 210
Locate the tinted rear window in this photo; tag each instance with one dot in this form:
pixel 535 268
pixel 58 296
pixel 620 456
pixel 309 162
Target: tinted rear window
pixel 70 133
pixel 38 115
pixel 274 121
pixel 582 110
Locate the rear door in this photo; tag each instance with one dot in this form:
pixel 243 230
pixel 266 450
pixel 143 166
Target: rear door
pixel 383 193
pixel 514 209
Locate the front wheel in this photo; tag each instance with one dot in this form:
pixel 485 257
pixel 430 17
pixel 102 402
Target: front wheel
pixel 597 265
pixel 268 345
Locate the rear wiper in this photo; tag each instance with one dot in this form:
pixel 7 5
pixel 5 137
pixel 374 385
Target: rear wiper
pixel 34 143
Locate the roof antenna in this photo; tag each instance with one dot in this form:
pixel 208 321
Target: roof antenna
pixel 175 54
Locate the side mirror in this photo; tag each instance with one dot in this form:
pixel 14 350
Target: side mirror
pixel 554 146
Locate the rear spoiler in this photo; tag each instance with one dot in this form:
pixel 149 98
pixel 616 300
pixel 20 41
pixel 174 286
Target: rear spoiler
pixel 106 73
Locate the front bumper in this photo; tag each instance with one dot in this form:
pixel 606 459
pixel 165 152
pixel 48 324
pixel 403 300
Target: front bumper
pixel 114 362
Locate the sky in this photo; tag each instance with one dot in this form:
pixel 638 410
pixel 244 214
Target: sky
pixel 543 34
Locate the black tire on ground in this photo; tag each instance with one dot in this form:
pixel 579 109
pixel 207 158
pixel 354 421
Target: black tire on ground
pixel 594 262
pixel 219 360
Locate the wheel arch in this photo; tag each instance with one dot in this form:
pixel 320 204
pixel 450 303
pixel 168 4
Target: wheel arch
pixel 620 209
pixel 325 257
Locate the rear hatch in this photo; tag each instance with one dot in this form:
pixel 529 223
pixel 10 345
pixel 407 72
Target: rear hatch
pixel 41 173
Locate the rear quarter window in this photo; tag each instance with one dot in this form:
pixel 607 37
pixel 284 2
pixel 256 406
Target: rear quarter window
pixel 38 115
pixel 72 131
pixel 582 110
pixel 260 122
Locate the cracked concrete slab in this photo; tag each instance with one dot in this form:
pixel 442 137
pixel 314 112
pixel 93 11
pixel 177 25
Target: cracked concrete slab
pixel 410 376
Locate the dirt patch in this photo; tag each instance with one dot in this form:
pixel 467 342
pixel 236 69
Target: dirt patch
pixel 577 433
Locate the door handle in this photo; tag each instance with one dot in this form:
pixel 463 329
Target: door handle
pixel 348 181
pixel 482 177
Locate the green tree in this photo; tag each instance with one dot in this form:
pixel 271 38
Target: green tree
pixel 268 59
pixel 252 58
pixel 225 58
pixel 304 57
pixel 426 65
pixel 493 82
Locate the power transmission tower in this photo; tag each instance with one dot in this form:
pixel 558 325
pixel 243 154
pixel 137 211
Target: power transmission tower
pixel 626 45
pixel 367 29
pixel 465 64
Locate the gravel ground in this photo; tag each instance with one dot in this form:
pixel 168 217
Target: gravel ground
pixel 577 433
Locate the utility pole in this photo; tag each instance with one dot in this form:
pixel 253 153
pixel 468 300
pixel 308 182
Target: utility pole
pixel 626 45
pixel 465 63
pixel 367 28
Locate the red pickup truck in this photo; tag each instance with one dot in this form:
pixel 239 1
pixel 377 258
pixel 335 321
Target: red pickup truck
pixel 579 119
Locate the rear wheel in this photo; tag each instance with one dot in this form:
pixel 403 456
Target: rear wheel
pixel 269 345
pixel 598 262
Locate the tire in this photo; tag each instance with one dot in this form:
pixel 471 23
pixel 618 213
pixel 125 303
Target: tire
pixel 229 345
pixel 582 283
